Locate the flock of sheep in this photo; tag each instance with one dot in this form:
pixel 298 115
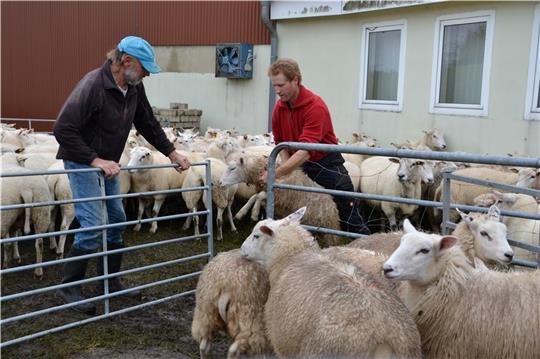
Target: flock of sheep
pixel 388 295
pixel 281 292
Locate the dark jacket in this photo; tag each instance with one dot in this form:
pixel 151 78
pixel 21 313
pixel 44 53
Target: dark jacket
pixel 96 118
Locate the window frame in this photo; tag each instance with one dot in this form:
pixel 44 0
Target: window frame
pixel 533 77
pixel 382 105
pixel 436 107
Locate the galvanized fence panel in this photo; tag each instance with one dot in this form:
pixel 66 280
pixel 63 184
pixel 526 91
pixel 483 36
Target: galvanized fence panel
pixel 445 205
pixel 105 252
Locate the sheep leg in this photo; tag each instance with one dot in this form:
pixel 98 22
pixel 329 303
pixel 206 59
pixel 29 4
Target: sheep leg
pixel 158 202
pixel 140 211
pixel 390 213
pixel 243 211
pixel 219 223
pixel 256 210
pixel 204 348
pixel 229 214
pixel 16 254
pixel 196 222
pixel 7 252
pixel 187 224
pixel 67 218
pixel 38 272
pixel 52 240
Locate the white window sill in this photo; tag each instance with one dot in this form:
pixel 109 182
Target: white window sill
pixel 391 107
pixel 480 112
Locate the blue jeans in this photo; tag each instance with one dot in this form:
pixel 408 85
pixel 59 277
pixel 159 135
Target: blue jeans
pixel 89 214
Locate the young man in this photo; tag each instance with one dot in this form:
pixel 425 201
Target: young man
pixel 92 129
pixel 301 116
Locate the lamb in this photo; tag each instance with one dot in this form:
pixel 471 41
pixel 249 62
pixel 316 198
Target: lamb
pixel 231 293
pixel 332 308
pixel 25 189
pixel 394 177
pixel 463 312
pixel 519 229
pixel 152 180
pixel 222 197
pixel 321 209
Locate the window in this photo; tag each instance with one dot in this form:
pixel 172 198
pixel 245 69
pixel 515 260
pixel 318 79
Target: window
pixel 532 102
pixel 461 64
pixel 383 58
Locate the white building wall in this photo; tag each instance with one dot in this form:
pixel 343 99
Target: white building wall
pixel 188 77
pixel 328 51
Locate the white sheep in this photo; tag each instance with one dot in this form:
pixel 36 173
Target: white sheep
pixel 27 190
pixel 157 179
pixel 463 312
pixel 222 197
pixel 519 229
pixel 394 177
pixel 321 209
pixel 230 296
pixel 37 161
pixel 322 307
pixel 529 178
pixel 432 139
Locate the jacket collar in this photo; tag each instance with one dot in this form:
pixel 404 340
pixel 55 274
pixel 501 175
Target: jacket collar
pixel 108 78
pixel 304 97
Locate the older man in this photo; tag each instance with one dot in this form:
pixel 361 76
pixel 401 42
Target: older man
pixel 92 129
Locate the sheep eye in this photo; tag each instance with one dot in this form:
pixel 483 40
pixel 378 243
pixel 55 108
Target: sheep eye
pixel 485 234
pixel 423 251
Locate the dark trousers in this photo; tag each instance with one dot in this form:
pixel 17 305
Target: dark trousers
pixel 330 173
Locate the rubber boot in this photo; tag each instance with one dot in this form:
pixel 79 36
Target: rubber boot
pixel 74 271
pixel 114 264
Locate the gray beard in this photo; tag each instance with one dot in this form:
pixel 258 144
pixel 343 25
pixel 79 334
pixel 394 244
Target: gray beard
pixel 131 78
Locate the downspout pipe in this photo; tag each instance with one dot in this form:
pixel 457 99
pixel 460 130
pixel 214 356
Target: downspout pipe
pixel 265 15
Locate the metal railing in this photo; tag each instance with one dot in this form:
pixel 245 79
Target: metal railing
pixel 445 204
pixel 105 253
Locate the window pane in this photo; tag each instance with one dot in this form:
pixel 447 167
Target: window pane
pixel 383 65
pixel 462 63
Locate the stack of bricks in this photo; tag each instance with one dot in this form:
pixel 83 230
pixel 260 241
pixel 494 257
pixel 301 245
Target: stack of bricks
pixel 178 115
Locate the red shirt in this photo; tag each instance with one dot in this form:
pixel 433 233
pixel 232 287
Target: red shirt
pixel 307 121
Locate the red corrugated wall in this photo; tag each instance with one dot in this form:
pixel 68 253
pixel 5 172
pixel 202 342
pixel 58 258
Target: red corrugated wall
pixel 48 46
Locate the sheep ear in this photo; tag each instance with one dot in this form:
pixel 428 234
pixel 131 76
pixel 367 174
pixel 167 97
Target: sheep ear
pixel 395 160
pixel 296 217
pixel 408 227
pixel 267 230
pixel 462 214
pixel 447 242
pixel 494 213
pixel 514 169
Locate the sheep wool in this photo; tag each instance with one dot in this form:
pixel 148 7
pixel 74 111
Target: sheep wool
pixel 230 296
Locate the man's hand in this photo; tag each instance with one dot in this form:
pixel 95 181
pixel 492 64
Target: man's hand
pixel 182 161
pixel 110 168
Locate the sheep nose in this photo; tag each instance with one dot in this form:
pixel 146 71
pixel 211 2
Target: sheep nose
pixel 443 146
pixel 509 255
pixel 401 176
pixel 388 270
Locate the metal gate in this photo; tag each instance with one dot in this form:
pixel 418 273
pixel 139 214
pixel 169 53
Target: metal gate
pixel 104 253
pixel 426 155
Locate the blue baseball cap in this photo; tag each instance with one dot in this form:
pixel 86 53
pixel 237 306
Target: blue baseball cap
pixel 141 50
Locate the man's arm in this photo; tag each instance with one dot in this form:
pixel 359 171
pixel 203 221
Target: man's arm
pixel 292 163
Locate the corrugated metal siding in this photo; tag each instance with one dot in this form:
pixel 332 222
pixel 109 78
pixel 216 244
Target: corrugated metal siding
pixel 48 46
